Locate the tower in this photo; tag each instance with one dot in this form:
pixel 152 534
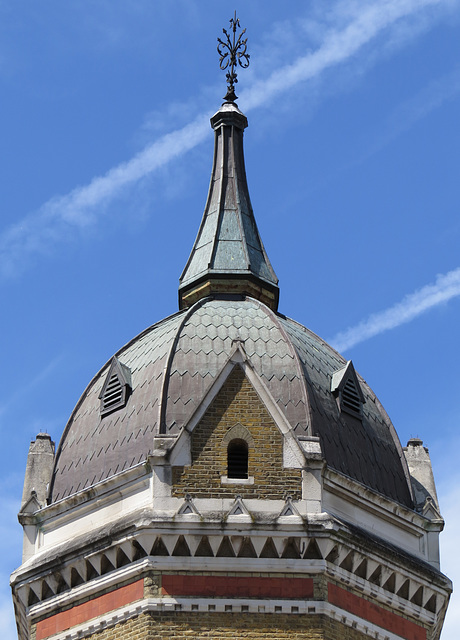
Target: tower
pixel 227 473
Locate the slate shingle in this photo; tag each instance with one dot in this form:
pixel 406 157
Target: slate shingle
pixel 187 351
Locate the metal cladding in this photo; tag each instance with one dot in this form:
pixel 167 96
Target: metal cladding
pixel 228 255
pixel 174 363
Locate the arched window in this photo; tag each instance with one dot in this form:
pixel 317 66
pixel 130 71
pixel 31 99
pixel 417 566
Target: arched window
pixel 237 459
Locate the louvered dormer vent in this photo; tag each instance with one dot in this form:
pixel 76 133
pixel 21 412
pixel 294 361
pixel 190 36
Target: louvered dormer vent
pixel 114 394
pixel 350 397
pixel 346 388
pixel 117 387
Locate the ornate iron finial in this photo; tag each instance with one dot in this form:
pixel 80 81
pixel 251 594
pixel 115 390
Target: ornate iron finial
pixel 233 53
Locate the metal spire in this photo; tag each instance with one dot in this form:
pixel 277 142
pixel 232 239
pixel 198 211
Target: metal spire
pixel 228 256
pixel 233 53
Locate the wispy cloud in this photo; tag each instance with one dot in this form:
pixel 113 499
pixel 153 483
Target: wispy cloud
pixel 366 22
pixel 445 288
pixel 59 218
pixel 62 215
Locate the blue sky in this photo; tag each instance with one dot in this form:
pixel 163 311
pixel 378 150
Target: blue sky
pixel 352 155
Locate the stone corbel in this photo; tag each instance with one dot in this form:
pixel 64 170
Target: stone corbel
pixel 162 446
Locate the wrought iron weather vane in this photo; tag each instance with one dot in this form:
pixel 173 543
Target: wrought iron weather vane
pixel 233 53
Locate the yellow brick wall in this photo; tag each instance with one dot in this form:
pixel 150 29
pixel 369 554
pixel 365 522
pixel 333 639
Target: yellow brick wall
pixel 237 402
pixel 229 626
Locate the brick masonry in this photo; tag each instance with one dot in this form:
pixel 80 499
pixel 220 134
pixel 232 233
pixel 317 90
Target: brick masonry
pixel 91 609
pixel 228 626
pixel 237 587
pixel 375 614
pixel 182 624
pixel 237 402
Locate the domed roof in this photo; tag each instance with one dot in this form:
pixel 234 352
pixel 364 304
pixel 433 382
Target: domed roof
pixel 174 363
pixel 228 296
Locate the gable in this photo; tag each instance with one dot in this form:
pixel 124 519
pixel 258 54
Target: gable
pixel 237 410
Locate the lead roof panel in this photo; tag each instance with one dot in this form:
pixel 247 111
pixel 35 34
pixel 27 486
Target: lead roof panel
pixel 93 447
pixel 188 351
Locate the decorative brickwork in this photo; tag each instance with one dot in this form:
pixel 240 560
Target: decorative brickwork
pixel 237 402
pixel 240 622
pixel 237 587
pixel 91 609
pixel 375 614
pixel 138 628
pixel 229 626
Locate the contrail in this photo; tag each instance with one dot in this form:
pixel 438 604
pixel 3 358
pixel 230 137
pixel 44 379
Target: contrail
pixel 59 218
pixel 445 288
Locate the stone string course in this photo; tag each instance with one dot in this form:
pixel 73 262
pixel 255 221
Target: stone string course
pixel 223 626
pixel 245 591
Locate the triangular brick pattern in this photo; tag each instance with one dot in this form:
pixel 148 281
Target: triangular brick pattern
pixel 419 592
pixel 237 402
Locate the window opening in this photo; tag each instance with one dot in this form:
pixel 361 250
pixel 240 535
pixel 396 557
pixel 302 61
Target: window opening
pixel 237 459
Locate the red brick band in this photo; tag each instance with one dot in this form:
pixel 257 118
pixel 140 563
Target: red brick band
pixel 375 614
pixel 234 587
pixel 91 609
pixel 230 586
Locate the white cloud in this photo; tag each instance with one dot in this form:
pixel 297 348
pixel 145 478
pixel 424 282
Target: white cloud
pixel 350 27
pixel 445 288
pixel 367 21
pixel 62 215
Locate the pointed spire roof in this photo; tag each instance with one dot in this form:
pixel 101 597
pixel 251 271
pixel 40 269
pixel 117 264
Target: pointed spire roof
pixel 228 255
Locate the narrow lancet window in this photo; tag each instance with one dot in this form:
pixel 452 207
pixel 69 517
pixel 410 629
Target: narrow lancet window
pixel 237 459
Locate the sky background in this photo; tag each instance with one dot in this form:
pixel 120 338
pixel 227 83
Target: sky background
pixel 352 156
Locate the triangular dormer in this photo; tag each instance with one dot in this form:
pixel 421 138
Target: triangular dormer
pixel 116 388
pixel 346 388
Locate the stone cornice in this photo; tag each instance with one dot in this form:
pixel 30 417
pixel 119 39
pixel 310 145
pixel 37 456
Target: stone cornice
pixel 397 514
